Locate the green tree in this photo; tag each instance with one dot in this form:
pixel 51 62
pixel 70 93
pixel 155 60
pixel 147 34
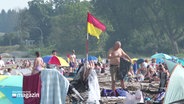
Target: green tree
pixel 144 26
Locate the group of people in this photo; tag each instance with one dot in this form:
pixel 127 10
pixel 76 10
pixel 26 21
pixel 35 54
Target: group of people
pixel 146 70
pixel 7 66
pixel 151 70
pixel 39 63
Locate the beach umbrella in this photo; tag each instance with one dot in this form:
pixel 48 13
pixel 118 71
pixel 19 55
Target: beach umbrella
pixel 161 56
pixel 99 59
pixel 134 59
pixel 90 58
pixel 10 87
pixel 55 60
pixel 139 61
pixel 159 60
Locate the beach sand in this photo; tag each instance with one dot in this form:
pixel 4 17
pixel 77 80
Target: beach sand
pixel 105 82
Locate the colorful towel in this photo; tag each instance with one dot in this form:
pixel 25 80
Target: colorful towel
pixel 54 87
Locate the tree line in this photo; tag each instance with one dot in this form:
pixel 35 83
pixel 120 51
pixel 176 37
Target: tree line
pixel 144 27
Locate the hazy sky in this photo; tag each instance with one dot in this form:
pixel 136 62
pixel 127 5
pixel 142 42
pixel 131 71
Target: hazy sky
pixel 13 4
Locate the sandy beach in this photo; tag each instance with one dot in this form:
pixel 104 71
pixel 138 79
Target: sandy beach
pixel 105 83
pixel 104 80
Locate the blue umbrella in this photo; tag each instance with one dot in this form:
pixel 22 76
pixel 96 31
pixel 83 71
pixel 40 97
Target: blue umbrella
pixel 158 60
pixel 10 85
pixel 139 61
pixel 90 58
pixel 161 56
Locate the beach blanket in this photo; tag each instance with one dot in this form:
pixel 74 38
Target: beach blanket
pixel 124 68
pixel 32 85
pixel 54 87
pixel 109 92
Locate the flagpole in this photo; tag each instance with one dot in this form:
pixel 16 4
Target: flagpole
pixel 87 49
pixel 87 38
pixel 86 63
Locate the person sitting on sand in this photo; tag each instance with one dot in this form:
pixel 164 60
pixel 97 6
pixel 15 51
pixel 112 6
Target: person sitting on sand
pixel 163 76
pixel 97 68
pixel 142 71
pixel 61 70
pixel 153 63
pixel 2 64
pixel 8 72
pixel 151 73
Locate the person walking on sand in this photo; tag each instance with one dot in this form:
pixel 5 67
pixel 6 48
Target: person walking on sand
pixel 114 55
pixel 38 63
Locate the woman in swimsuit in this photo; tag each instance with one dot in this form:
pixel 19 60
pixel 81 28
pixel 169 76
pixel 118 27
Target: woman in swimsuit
pixel 38 63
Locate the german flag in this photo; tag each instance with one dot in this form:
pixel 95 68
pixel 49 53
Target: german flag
pixel 94 26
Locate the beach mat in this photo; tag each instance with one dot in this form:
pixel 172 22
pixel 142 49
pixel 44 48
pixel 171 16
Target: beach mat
pixel 109 92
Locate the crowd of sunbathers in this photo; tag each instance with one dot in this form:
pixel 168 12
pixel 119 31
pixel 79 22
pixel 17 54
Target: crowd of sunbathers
pixel 148 70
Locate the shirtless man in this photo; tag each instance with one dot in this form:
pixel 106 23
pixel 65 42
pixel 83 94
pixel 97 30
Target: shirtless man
pixel 72 61
pixel 114 56
pixel 38 63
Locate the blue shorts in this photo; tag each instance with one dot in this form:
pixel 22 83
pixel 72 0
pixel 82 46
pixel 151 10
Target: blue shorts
pixel 72 64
